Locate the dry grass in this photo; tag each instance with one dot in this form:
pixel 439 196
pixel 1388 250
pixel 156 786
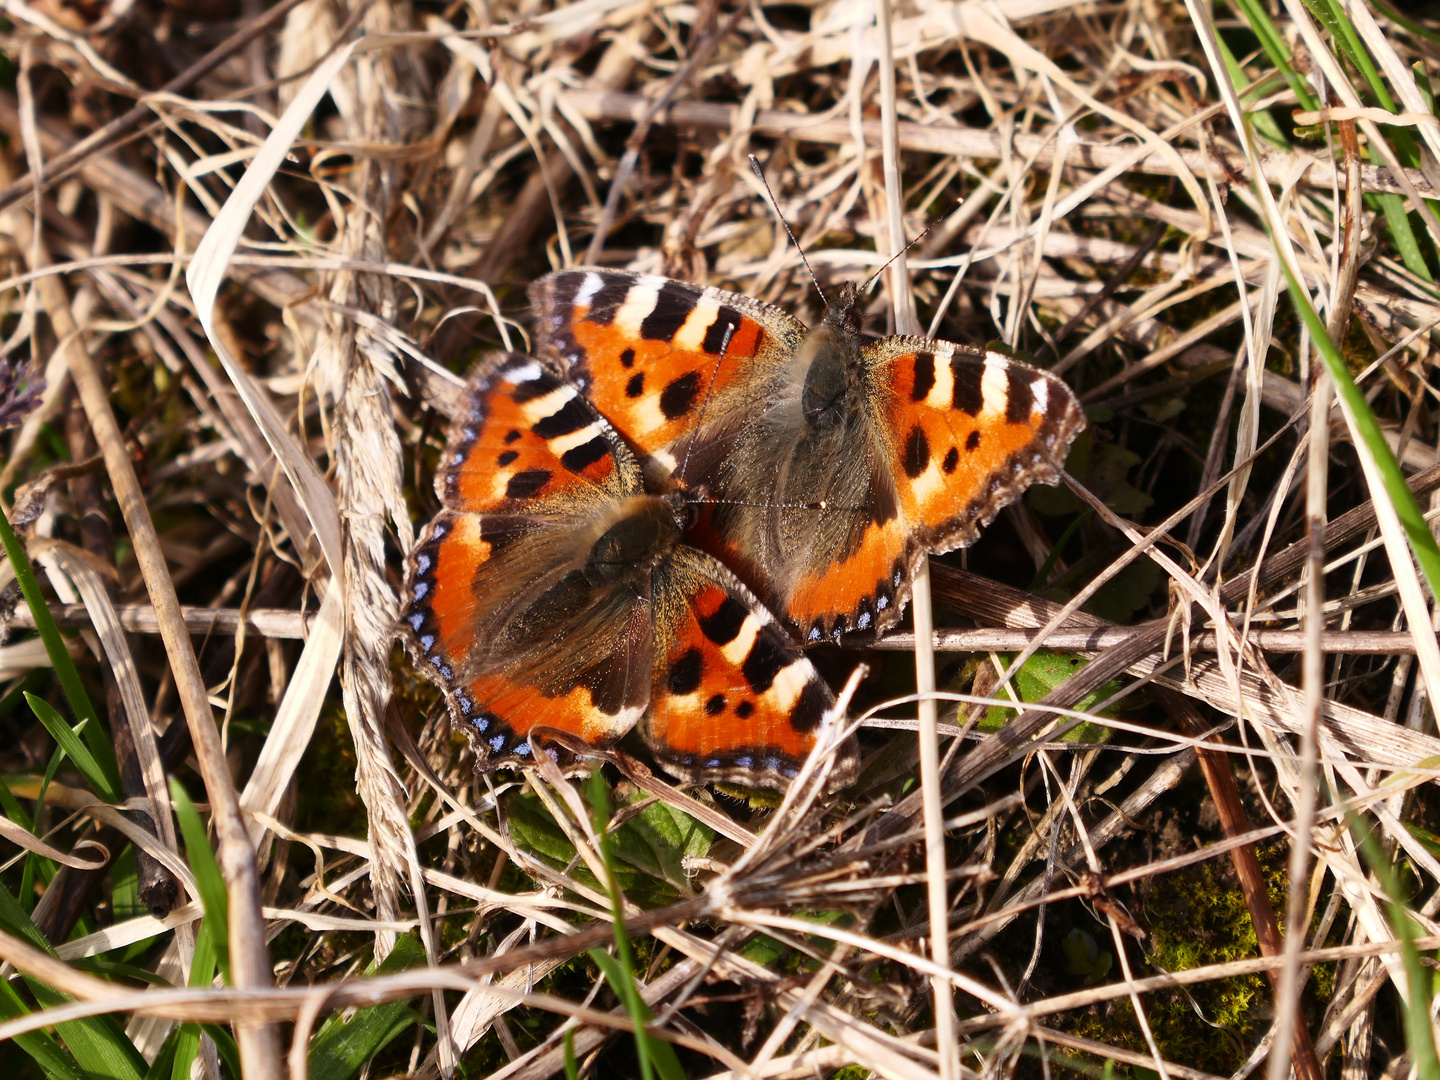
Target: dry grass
pixel 375 185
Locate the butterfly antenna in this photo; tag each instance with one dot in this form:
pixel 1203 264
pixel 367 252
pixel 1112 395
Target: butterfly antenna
pixel 926 232
pixel 755 168
pixel 823 504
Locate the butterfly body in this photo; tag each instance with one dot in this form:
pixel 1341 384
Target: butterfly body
pixel 555 590
pixel 832 463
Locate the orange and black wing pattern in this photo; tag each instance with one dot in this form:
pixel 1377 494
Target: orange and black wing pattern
pixel 966 431
pixel 658 357
pixel 491 583
pixel 733 698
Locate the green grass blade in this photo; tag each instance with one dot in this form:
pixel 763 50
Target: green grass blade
pixel 1276 50
pixel 341 1047
pixel 35 865
pixel 1262 119
pixel 163 1065
pixel 208 878
pixel 1402 235
pixel 187 1046
pixel 202 973
pixel 1347 40
pixel 98 1043
pixel 1422 542
pixel 619 969
pixel 572 1067
pixel 45 625
pixel 1400 20
pixel 1419 1038
pixel 101 782
pixel 43 1050
pixel 1332 16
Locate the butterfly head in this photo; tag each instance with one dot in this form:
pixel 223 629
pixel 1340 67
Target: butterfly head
pixel 845 310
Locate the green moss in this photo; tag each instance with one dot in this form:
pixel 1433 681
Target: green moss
pixel 1197 918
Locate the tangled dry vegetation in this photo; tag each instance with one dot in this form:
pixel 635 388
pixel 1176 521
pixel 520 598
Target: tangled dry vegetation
pixel 1191 212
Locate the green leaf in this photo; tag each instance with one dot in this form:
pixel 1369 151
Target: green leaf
pixel 103 782
pixel 1085 957
pixel 208 878
pixel 49 633
pixel 763 950
pixel 1041 674
pixel 1101 467
pixel 659 839
pixel 342 1046
pixel 1127 592
pixel 1401 234
pixel 532 827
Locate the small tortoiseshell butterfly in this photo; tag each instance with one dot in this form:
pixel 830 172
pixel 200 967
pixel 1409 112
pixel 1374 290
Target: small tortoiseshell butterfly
pixel 831 464
pixel 553 590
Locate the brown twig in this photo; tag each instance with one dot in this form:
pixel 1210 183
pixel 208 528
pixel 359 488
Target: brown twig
pixel 259 1046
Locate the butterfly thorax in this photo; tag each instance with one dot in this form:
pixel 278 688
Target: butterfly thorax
pixel 643 530
pixel 830 358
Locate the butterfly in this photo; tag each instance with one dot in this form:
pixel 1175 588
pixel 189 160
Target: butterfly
pixel 554 589
pixel 829 464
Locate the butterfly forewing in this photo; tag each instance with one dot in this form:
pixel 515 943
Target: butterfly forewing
pixel 966 432
pixel 654 354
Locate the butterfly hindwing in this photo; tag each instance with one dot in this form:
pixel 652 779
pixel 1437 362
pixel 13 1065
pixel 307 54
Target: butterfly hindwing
pixel 733 698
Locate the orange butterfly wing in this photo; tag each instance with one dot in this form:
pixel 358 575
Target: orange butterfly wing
pixel 966 432
pixel 653 354
pixel 961 434
pixel 526 470
pixel 733 698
